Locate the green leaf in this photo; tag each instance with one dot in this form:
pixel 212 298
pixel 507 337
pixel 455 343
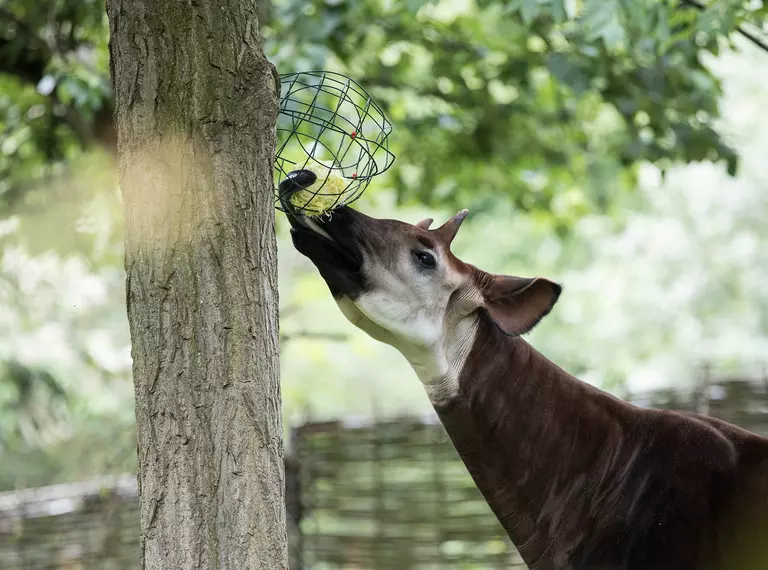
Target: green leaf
pixel 528 9
pixel 602 20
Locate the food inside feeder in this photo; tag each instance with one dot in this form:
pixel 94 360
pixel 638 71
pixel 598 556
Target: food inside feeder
pixel 314 191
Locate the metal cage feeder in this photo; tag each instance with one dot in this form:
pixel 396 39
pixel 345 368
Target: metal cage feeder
pixel 328 123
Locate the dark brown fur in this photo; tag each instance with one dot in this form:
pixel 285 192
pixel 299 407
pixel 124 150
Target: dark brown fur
pixel 581 480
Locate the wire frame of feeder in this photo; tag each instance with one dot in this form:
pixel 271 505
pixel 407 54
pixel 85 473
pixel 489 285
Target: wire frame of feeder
pixel 329 123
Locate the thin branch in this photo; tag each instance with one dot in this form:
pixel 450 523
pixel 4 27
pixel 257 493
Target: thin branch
pixel 331 337
pixel 749 35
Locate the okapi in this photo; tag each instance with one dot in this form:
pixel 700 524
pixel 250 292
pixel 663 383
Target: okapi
pixel 580 480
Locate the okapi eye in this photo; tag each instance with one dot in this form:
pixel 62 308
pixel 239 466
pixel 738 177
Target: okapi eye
pixel 425 258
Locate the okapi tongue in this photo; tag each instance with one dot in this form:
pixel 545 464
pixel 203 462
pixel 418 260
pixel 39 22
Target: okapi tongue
pixel 298 180
pixel 301 178
pixel 295 180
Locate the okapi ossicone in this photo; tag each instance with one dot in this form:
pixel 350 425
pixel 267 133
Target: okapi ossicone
pixel 580 480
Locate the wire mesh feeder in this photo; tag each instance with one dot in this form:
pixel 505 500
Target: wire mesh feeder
pixel 329 125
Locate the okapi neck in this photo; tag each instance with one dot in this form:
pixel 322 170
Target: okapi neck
pixel 539 444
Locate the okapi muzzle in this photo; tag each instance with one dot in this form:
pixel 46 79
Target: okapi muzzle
pixel 579 479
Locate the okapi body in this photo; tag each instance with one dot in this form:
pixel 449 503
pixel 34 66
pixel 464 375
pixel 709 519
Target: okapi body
pixel 580 480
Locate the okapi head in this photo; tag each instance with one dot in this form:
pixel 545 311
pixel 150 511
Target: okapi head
pixel 401 284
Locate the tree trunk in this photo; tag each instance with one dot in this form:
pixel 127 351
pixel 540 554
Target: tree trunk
pixel 196 104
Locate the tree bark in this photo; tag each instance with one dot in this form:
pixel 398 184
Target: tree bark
pixel 196 104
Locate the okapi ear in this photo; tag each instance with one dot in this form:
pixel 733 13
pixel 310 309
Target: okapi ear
pixel 517 304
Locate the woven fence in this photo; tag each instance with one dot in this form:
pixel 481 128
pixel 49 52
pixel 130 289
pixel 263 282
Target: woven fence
pixel 392 495
pixel 88 526
pixel 368 496
pixel 71 527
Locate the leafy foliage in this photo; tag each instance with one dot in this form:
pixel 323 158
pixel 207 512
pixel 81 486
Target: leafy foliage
pixel 55 95
pixel 551 103
pixel 545 102
pixel 29 398
pixel 539 115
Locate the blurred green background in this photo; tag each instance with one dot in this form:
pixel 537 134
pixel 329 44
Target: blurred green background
pixel 614 146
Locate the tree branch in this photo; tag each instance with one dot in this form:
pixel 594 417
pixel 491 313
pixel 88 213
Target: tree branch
pixel 749 35
pixel 331 337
